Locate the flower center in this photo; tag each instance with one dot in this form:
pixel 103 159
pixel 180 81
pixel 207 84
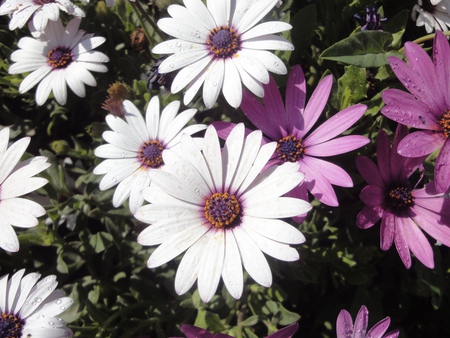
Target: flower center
pixel 11 326
pixel 444 121
pixel 290 149
pixel 399 197
pixel 223 42
pixel 150 154
pixel 222 210
pixel 59 57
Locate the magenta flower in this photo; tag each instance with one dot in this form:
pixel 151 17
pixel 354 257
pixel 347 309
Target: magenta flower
pixel 196 332
pixel 427 107
pixel 346 329
pixel 402 209
pixel 290 126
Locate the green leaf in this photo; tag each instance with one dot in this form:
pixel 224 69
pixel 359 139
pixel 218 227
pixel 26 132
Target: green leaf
pixel 352 86
pixel 304 23
pixel 364 49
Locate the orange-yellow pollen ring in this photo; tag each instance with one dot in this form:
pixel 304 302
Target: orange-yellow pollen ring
pixel 222 210
pixel 223 42
pixel 150 154
pixel 444 121
pixel 290 149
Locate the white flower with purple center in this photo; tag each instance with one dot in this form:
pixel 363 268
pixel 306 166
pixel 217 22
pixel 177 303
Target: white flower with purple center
pixel 136 147
pixel 29 308
pixel 219 207
pixel 433 14
pixel 220 46
pixel 16 179
pixel 58 57
pixel 42 11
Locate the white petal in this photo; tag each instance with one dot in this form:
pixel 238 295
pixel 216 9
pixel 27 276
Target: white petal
pixel 189 130
pixel 142 181
pixel 266 28
pixel 44 88
pixel 193 87
pixel 15 298
pixel 272 62
pixel 33 78
pixel 213 157
pixel 252 258
pixel 220 10
pixel 281 207
pixel 274 229
pixel 41 290
pixel 118 174
pixel 121 141
pixel 152 117
pixel 153 213
pixel 250 82
pixel 267 42
pixel 123 191
pixel 110 151
pixel 210 268
pixel 120 126
pixel 54 306
pixel 187 74
pixel 92 56
pixel 231 154
pixel 12 156
pixel 88 45
pixel 199 10
pixel 59 86
pixel 176 245
pixel 252 66
pixel 272 248
pixel 232 85
pixel 184 30
pixel 8 239
pixel 182 59
pixel 232 275
pixel 256 11
pixel 167 119
pixel 213 82
pixel 21 212
pixel 175 128
pixel 20 18
pixel 136 122
pixel 163 230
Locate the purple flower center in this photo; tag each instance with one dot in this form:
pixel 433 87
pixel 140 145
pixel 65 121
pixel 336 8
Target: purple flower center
pixel 399 197
pixel 59 57
pixel 290 149
pixel 222 210
pixel 150 154
pixel 444 121
pixel 11 326
pixel 223 42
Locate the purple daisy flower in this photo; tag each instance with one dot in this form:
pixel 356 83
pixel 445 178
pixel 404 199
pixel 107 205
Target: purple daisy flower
pixel 290 125
pixel 195 332
pixel 427 107
pixel 346 329
pixel 402 209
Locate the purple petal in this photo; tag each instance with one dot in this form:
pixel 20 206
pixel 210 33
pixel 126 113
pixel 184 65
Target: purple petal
pixel 368 216
pixel 387 230
pixel 285 332
pixel 295 99
pixel 361 322
pixel 417 242
pixel 372 196
pixel 392 334
pixel 398 163
pixel 274 105
pixel 316 103
pixel 258 115
pixel 442 168
pixel 420 143
pixel 334 174
pixel 441 51
pixel 378 330
pixel 338 146
pixel 336 124
pixel 224 128
pixel 428 191
pixel 414 82
pixel 369 171
pixel 318 185
pixel 439 206
pixel 421 63
pixel 383 156
pixel 344 324
pixel 401 243
pixel 193 331
pixel 439 232
pixel 405 109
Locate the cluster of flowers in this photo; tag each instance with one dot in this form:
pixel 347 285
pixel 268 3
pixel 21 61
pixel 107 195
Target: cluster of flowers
pixel 228 201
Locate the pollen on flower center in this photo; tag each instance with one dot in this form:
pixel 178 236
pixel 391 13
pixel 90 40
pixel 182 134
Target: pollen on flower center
pixel 399 197
pixel 290 149
pixel 150 154
pixel 222 210
pixel 11 326
pixel 59 57
pixel 444 121
pixel 223 42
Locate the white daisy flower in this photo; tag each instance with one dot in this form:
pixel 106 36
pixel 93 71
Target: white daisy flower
pixel 58 56
pixel 220 46
pixel 42 11
pixel 29 309
pixel 220 207
pixel 433 14
pixel 16 179
pixel 136 146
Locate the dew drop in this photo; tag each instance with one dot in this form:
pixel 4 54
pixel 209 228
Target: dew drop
pixel 63 308
pixel 51 323
pixel 38 299
pixel 58 301
pixel 171 65
pixel 114 179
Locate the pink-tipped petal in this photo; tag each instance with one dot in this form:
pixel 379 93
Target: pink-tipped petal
pixel 361 322
pixel 378 330
pixel 344 325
